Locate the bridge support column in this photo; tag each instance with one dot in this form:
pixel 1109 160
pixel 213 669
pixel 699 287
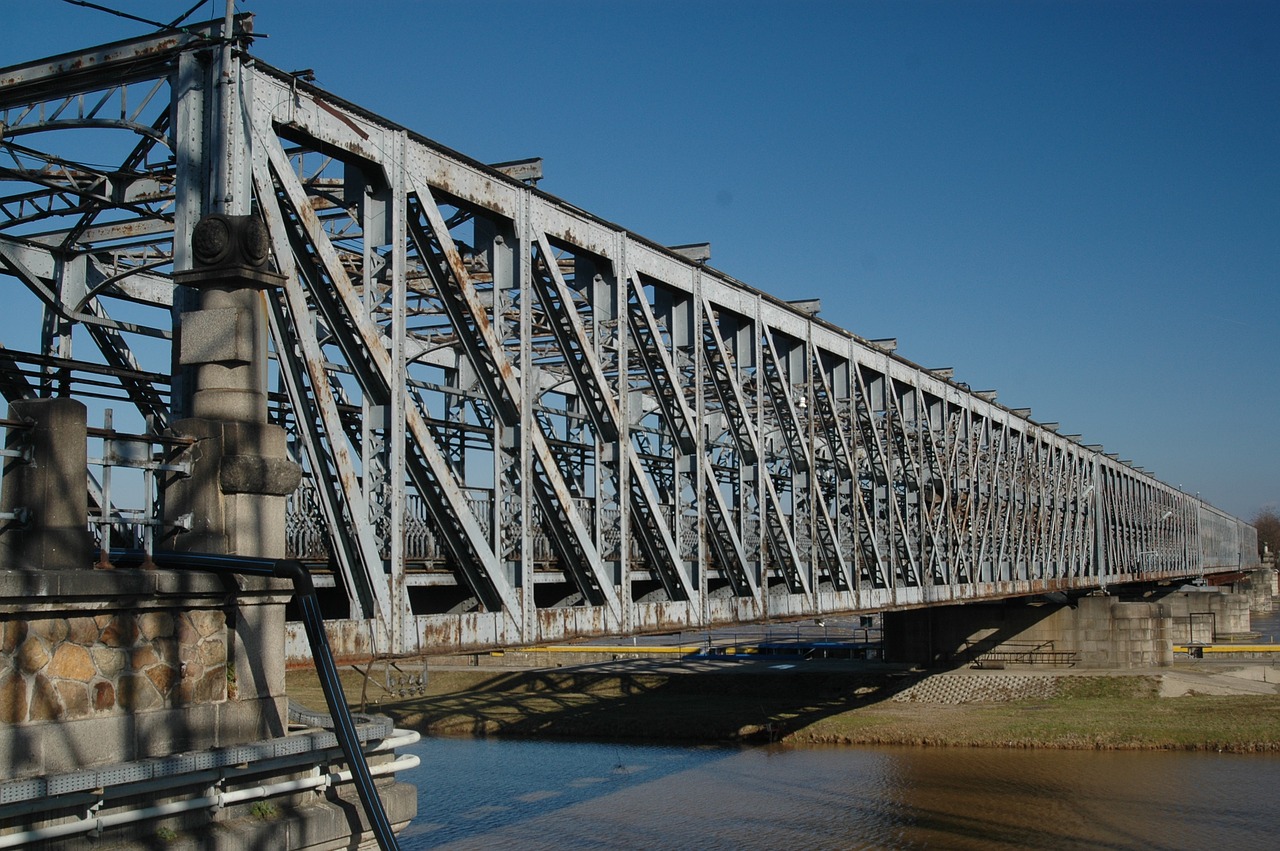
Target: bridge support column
pixel 1259 586
pixel 1091 632
pixel 234 501
pixel 107 675
pixel 1207 615
pixel 113 667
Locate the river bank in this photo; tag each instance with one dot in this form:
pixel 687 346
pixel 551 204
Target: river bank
pixel 1228 708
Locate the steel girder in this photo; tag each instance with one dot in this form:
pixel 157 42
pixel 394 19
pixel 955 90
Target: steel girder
pixel 520 422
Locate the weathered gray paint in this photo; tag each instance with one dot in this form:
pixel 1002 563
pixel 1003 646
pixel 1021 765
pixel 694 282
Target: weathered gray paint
pixel 495 395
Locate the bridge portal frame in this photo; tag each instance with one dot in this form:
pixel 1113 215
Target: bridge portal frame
pixel 520 422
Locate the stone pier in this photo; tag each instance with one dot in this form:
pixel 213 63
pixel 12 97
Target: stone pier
pixel 144 708
pixel 1206 615
pixel 1090 632
pixel 45 485
pixel 234 498
pixel 1261 588
pixel 1096 631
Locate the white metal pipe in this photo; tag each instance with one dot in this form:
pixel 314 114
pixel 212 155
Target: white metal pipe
pixel 218 801
pixel 398 739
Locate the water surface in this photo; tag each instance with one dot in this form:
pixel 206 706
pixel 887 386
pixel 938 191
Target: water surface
pixel 476 793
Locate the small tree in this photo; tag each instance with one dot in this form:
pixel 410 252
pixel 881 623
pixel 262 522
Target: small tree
pixel 1267 522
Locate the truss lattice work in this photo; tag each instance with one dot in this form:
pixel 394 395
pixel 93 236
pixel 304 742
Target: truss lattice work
pixel 520 422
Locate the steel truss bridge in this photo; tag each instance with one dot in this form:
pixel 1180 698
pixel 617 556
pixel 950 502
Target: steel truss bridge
pixel 517 421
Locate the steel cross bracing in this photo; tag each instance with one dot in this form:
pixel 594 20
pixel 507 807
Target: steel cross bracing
pixel 517 421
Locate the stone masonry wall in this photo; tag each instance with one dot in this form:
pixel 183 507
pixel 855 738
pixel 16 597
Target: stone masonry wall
pixel 1260 587
pixel 80 666
pixel 99 667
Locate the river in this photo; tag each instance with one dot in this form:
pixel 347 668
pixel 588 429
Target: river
pixel 523 794
pixel 1266 625
pixel 520 794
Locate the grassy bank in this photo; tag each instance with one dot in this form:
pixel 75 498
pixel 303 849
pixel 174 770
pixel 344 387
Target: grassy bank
pixel 1090 713
pixel 810 706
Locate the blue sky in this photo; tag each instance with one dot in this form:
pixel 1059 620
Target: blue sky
pixel 1076 204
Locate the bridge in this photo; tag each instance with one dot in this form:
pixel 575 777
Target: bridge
pixel 515 422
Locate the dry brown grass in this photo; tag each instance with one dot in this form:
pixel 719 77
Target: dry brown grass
pixel 1091 712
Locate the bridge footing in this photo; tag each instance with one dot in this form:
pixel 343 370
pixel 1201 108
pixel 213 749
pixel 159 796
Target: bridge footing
pixel 144 707
pixel 167 689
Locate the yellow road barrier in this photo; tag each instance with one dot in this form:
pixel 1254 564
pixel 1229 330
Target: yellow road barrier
pixel 1228 648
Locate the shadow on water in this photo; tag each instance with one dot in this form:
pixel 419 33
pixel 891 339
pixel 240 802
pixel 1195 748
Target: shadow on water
pixel 472 786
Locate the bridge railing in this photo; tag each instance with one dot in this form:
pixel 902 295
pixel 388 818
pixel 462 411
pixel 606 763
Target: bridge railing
pixel 126 507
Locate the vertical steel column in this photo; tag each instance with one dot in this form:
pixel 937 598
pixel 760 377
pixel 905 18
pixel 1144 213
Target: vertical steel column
pixel 674 306
pixel 191 143
pixel 839 399
pixel 624 275
pixel 522 274
pixel 512 529
pixel 1100 525
pixel 230 180
pixel 404 624
pixel 699 473
pixel 376 415
pixel 606 294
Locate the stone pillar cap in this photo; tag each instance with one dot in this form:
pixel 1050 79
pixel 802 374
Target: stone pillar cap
pixel 230 251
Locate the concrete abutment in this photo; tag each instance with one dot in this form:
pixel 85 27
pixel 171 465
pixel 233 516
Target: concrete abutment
pixel 1095 631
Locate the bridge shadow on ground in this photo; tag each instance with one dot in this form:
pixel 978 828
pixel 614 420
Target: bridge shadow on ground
pixel 692 699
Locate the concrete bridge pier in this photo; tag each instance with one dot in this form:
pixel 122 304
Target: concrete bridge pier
pixel 1094 631
pixel 1260 587
pixel 1208 615
pixel 1088 632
